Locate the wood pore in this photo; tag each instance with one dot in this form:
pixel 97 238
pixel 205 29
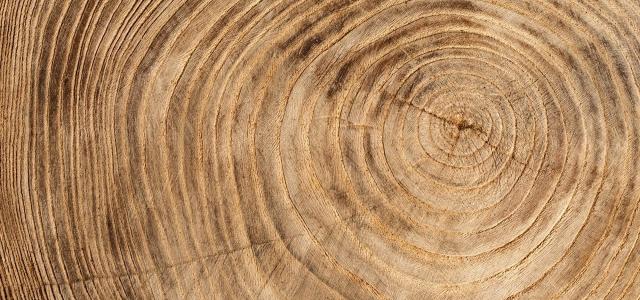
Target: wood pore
pixel 319 149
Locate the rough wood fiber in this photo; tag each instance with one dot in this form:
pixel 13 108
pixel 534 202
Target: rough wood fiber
pixel 304 149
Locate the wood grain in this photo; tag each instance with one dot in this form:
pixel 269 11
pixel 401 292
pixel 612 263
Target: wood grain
pixel 422 149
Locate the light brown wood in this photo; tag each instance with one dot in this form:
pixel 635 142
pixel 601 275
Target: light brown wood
pixel 423 149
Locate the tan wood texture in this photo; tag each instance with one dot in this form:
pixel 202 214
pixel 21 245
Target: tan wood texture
pixel 276 149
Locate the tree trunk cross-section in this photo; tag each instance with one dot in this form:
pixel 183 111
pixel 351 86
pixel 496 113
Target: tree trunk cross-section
pixel 319 149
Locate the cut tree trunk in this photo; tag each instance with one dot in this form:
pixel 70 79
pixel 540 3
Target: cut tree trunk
pixel 371 149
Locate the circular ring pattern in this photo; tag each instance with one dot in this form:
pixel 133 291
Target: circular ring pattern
pixel 324 149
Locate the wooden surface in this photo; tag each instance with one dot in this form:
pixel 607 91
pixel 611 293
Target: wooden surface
pixel 366 149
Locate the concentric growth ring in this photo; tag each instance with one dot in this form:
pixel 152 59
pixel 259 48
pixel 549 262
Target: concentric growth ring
pixel 320 149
